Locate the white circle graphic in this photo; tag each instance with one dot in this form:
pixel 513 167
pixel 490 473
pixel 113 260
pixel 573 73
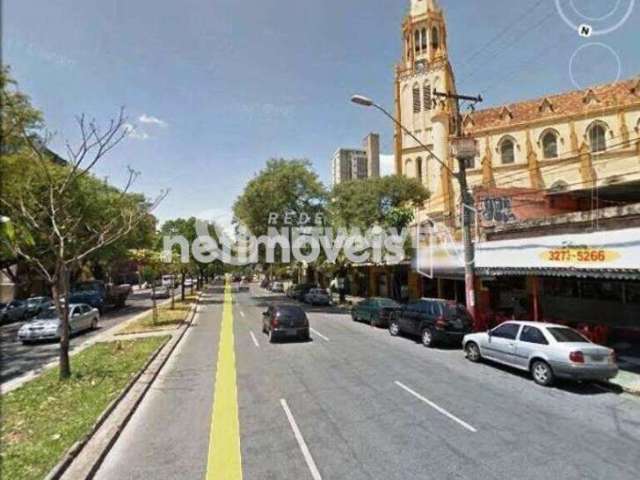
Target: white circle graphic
pixel 603 31
pixel 595 19
pixel 593 44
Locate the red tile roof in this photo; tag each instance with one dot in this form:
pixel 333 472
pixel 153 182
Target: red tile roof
pixel 621 93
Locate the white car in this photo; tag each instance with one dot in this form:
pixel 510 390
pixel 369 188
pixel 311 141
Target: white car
pixel 546 350
pixel 317 296
pixel 47 325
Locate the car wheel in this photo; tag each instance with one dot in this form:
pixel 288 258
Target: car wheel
pixel 472 352
pixel 542 373
pixel 427 337
pixel 394 328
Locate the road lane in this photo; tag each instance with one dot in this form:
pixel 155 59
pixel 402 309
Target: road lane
pixel 596 431
pixel 354 421
pixel 168 436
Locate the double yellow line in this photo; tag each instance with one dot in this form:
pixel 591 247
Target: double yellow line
pixel 224 460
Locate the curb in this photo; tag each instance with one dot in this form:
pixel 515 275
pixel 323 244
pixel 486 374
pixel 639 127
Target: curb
pixel 66 467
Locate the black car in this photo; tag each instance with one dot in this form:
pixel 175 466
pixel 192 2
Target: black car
pixel 435 320
pixel 298 291
pixel 285 321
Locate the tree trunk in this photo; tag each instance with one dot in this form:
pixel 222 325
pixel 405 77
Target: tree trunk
pixel 154 309
pixel 173 297
pixel 60 289
pixel 182 287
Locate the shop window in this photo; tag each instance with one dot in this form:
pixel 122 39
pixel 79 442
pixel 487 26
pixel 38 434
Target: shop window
pixel 632 292
pixel 606 291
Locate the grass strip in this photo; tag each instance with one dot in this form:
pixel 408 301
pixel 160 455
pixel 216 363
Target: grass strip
pixel 42 419
pixel 167 317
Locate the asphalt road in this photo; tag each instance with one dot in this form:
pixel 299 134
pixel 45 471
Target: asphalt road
pixel 18 359
pixel 356 403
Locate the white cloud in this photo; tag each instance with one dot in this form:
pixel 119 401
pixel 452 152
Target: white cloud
pixel 387 164
pixel 151 120
pixel 133 132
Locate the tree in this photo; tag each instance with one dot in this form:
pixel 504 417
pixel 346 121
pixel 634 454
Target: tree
pixel 283 186
pixel 64 215
pixel 386 201
pixel 150 265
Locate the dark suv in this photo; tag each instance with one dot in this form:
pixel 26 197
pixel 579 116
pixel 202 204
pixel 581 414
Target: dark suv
pixel 434 320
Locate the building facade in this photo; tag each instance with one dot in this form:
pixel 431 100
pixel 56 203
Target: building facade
pixel 354 164
pixel 542 160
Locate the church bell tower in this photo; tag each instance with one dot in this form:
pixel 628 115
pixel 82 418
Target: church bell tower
pixel 424 68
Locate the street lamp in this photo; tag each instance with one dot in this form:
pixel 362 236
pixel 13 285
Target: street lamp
pixel 462 148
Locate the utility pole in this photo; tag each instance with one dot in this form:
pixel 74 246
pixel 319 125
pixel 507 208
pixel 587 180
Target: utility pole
pixel 465 148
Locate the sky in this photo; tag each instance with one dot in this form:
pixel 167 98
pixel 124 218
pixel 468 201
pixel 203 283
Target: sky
pixel 214 88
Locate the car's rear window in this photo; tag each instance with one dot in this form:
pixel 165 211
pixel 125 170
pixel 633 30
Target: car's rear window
pixel 456 311
pixel 566 335
pixel 291 310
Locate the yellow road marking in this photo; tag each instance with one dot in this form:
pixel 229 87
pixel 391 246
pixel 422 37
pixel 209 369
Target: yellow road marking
pixel 224 460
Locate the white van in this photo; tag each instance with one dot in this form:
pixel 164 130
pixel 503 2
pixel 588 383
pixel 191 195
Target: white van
pixel 168 281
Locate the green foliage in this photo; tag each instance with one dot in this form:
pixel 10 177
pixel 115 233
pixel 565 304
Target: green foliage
pixel 387 201
pixel 282 186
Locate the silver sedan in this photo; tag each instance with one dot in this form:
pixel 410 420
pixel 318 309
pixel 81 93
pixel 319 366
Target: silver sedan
pixel 546 350
pixel 47 326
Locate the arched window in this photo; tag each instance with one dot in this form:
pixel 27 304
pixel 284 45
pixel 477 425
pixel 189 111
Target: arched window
pixel 559 186
pixel 423 43
pixel 419 168
pixel 597 137
pixel 507 151
pixel 550 145
pixel 408 166
pixel 417 40
pixel 416 99
pixel 426 96
pixel 435 38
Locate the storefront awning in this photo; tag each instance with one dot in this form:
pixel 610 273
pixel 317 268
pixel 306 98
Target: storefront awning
pixel 602 254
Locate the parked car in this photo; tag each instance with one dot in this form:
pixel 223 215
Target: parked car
pixel 37 304
pixel 47 325
pixel 285 321
pixel 277 287
pixel 161 292
pixel 546 350
pixel 13 311
pixel 376 310
pixel 435 320
pixel 299 290
pixel 189 282
pixel 99 294
pixel 317 296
